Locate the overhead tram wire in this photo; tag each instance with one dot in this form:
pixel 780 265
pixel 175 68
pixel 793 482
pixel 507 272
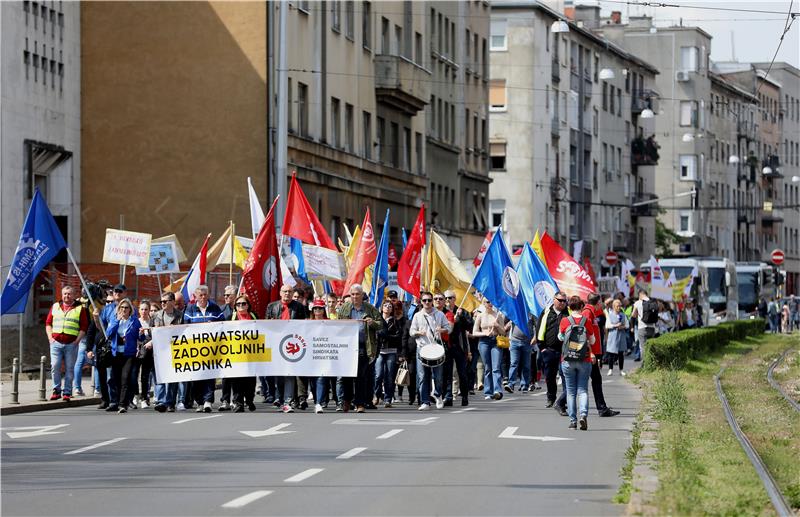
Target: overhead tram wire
pixel 788 25
pixel 699 7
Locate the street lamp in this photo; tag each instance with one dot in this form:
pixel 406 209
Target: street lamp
pixel 606 74
pixel 766 170
pixel 647 113
pixel 795 179
pixel 733 159
pixel 559 26
pixel 689 137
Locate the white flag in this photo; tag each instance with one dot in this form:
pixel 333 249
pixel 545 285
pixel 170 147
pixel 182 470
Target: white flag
pixel 256 213
pixel 577 251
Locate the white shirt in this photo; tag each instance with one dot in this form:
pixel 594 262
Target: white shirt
pixel 427 323
pixel 637 306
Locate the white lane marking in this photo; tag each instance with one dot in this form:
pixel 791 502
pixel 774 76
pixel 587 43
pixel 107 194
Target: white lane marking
pixel 272 431
pixel 195 418
pixel 379 421
pixel 539 394
pixel 34 430
pixel 464 410
pixel 95 446
pixel 303 475
pixel 607 382
pixel 247 499
pixel 389 434
pixel 352 452
pixel 508 432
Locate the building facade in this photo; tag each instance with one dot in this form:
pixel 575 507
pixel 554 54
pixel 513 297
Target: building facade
pixel 40 146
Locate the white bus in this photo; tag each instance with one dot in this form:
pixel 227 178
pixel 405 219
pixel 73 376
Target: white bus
pixel 755 280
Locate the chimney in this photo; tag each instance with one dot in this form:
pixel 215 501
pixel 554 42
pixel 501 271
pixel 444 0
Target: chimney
pixel 616 17
pixel 569 12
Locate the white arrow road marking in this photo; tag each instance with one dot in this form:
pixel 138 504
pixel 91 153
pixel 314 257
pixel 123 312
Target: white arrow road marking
pixel 31 431
pixel 508 432
pixel 95 446
pixel 389 434
pixel 272 431
pixel 195 418
pixel 303 475
pixel 352 452
pixel 247 499
pixel 378 421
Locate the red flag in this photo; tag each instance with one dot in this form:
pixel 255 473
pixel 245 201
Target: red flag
pixel 410 265
pixel 392 257
pixel 366 253
pixel 588 267
pixel 568 274
pixel 484 246
pixel 261 278
pixel 301 222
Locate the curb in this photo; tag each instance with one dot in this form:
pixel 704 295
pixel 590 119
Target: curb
pixel 45 405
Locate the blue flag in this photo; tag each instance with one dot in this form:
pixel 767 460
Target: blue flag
pixel 296 246
pixel 380 278
pixel 499 283
pixel 39 242
pixel 538 287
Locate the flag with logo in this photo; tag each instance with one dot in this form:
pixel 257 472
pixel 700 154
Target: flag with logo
pixel 568 274
pixel 197 274
pixel 497 280
pixel 365 255
pixel 39 242
pixel 538 287
pixel 409 269
pixel 380 276
pixel 262 279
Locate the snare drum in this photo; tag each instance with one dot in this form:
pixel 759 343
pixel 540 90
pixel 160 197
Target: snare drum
pixel 431 355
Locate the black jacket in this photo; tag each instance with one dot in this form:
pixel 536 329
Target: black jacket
pixel 551 328
pixel 296 310
pixel 390 334
pixel 462 326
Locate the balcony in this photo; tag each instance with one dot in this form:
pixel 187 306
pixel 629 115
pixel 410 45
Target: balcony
pixel 772 163
pixel 744 216
pixel 770 215
pixel 746 129
pixel 644 151
pixel 401 84
pixel 649 210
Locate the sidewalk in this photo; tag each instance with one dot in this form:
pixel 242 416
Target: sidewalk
pixel 29 396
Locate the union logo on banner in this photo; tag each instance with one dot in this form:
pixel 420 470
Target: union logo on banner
pixel 568 274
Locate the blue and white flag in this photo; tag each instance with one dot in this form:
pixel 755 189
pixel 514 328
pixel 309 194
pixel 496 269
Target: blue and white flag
pixel 39 242
pixel 296 257
pixel 538 287
pixel 380 278
pixel 499 282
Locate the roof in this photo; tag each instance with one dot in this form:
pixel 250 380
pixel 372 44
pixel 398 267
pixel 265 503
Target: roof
pixel 768 78
pixel 573 27
pixel 718 79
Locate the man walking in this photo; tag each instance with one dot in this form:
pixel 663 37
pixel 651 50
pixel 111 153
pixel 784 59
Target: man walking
pixel 358 309
pixel 166 393
pixel 549 344
pixel 286 309
pixel 646 313
pixel 66 324
pixel 202 310
pixel 427 327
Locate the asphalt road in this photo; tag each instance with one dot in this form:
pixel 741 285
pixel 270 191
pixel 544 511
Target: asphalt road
pixel 395 461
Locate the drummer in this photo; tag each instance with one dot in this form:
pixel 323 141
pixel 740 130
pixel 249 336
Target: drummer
pixel 427 327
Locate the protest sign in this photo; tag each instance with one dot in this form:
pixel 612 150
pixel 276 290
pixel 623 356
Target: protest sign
pixel 163 259
pixel 323 263
pixel 126 248
pixel 247 348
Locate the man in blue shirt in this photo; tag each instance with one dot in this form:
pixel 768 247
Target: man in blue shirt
pixel 201 311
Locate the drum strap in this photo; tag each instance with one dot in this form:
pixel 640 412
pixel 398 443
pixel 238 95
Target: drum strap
pixel 436 338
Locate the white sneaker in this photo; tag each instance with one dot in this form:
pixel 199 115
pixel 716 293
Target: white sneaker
pixel 487 397
pixel 136 400
pixel 424 407
pixel 439 402
pixel 610 373
pixel 144 404
pixel 180 407
pixel 317 408
pixel 623 373
pixel 286 408
pixel 536 386
pixel 207 407
pixel 224 406
pixel 198 409
pixel 558 380
pixel 310 397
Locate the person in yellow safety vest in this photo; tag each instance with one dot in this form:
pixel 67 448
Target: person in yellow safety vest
pixel 66 324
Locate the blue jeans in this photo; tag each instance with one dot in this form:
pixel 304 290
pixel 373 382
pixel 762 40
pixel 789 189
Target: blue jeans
pixel 576 376
pixel 61 354
pixel 520 364
pixel 492 365
pixel 79 362
pixel 424 376
pixel 385 370
pixel 166 394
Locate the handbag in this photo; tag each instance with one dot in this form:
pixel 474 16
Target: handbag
pixel 403 378
pixel 503 342
pixel 103 354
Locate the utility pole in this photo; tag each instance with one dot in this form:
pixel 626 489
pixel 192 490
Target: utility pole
pixel 281 153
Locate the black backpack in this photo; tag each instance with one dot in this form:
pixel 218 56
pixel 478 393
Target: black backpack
pixel 576 341
pixel 649 312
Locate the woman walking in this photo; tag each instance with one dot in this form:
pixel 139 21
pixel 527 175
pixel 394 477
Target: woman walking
pixel 389 342
pixel 616 340
pixel 123 332
pixel 488 325
pixel 243 389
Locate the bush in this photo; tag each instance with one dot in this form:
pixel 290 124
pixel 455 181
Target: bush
pixel 673 350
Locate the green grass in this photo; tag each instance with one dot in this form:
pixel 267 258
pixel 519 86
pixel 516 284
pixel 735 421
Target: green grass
pixel 787 374
pixel 623 495
pixel 701 467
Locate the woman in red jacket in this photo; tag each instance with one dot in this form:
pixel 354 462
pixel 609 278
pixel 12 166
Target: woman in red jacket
pixel 577 372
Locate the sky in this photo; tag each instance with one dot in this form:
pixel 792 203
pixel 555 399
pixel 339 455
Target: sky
pixel 755 35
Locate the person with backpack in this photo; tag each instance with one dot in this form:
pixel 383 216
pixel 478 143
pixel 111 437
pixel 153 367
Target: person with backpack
pixel 772 313
pixel 578 334
pixel 645 311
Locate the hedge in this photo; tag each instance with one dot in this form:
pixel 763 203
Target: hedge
pixel 673 350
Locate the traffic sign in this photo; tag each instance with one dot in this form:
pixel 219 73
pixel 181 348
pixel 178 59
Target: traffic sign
pixel 612 258
pixel 778 257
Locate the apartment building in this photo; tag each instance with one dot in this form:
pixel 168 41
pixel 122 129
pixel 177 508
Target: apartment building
pixel 570 150
pixel 40 119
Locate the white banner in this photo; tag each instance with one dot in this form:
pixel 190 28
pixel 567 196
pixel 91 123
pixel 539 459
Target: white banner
pixel 248 348
pixel 127 248
pixel 323 264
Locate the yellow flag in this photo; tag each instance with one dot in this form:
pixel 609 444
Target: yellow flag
pixel 445 271
pixel 537 247
pixel 220 253
pixel 679 287
pixel 350 250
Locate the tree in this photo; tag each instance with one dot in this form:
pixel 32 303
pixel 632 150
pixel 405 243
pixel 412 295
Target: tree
pixel 665 239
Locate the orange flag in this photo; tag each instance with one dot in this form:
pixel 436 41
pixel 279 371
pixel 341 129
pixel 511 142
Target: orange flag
pixel 365 256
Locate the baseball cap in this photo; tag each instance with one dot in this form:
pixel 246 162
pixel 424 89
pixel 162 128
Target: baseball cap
pixel 120 287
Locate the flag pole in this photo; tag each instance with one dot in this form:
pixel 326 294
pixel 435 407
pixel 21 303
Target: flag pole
pixel 499 229
pixel 230 264
pixel 85 288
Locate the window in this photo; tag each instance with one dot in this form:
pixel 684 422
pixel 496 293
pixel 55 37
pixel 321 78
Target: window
pixel 498 35
pixel 595 120
pixel 385 36
pixel 688 114
pixel 336 122
pixel 497 151
pixel 398 41
pixel 349 19
pixel 467 45
pixel 348 128
pixel 689 62
pixel 688 164
pixel 605 96
pixel 497 95
pixel 685 223
pixel 466 129
pixel 367 136
pixel 420 153
pixel 336 15
pixel 407 149
pixel 619 102
pixel 290 108
pixel 418 49
pixel 394 144
pixel 366 25
pixel 302 109
pixel 432 30
pixel 381 139
pixel 476 142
